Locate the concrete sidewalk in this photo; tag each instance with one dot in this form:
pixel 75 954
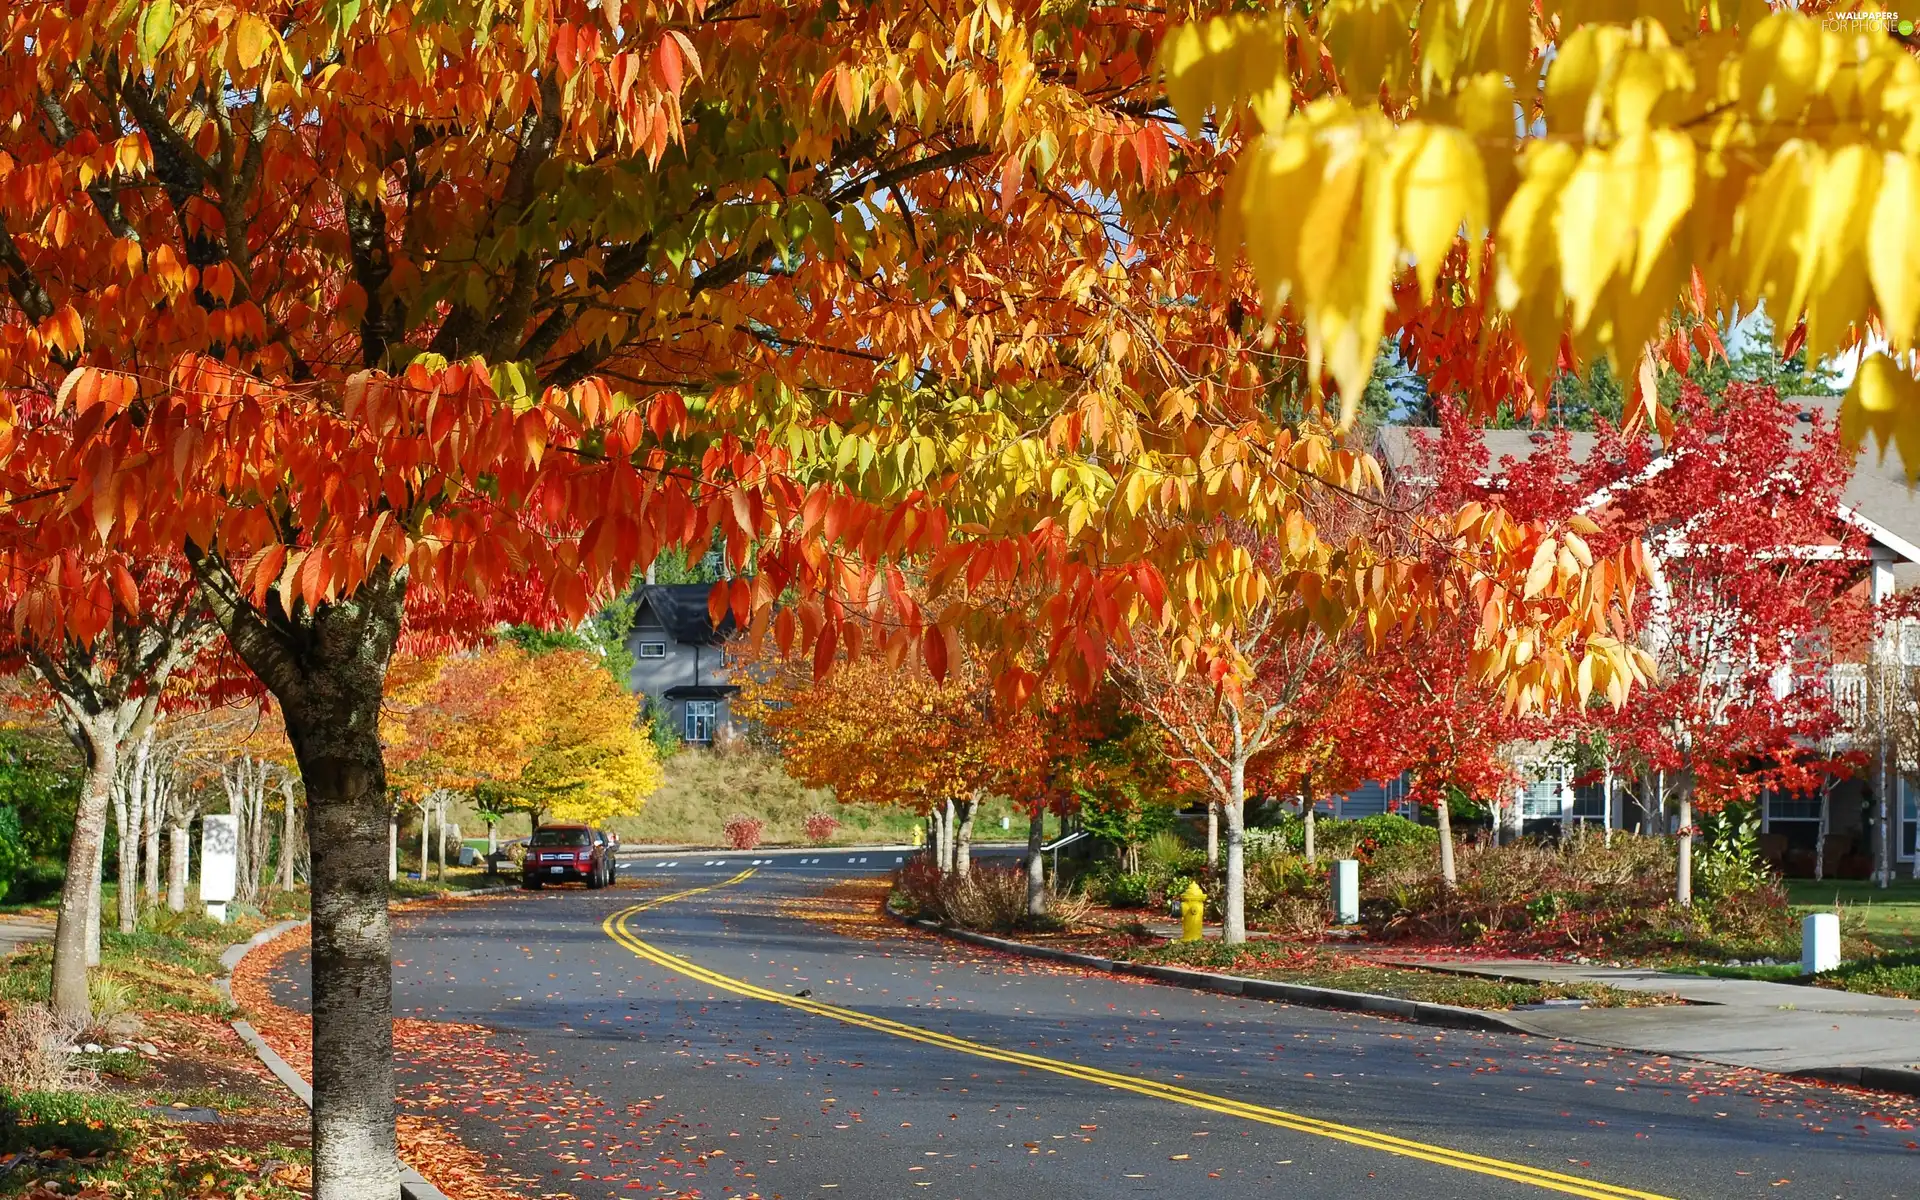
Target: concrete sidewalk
pixel 16 932
pixel 1779 1027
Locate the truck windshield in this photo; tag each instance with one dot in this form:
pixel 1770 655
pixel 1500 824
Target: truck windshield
pixel 560 837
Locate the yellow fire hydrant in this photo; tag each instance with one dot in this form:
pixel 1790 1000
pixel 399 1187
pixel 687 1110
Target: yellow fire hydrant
pixel 919 836
pixel 1193 911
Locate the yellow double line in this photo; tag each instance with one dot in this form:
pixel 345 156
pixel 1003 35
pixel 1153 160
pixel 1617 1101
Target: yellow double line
pixel 1553 1181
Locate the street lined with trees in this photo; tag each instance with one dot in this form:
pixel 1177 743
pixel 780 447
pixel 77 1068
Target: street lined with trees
pixel 1004 353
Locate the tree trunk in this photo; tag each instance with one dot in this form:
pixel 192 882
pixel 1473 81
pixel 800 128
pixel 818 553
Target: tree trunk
pixel 963 837
pixel 1233 928
pixel 76 934
pixel 97 903
pixel 945 817
pixel 126 828
pixel 426 823
pixel 1683 890
pixel 1037 865
pixel 157 801
pixel 1820 839
pixel 335 736
pixel 289 838
pixel 1306 815
pixel 393 847
pixel 326 666
pixel 179 849
pixel 1883 828
pixel 1445 819
pixel 1213 835
pixel 1606 804
pixel 440 843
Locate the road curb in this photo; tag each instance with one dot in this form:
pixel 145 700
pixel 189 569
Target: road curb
pixel 1898 1080
pixel 412 1185
pixel 1419 1011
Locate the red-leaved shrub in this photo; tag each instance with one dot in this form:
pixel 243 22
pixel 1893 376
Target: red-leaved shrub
pixel 743 832
pixel 821 827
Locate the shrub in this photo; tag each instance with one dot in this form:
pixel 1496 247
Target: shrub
pixel 34 1049
pixel 1729 861
pixel 821 827
pixel 13 850
pixel 989 898
pixel 743 831
pixel 1167 853
pixel 1126 891
pixel 662 732
pixel 108 997
pixel 1583 893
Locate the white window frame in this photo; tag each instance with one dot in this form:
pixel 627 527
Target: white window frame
pixel 700 718
pixel 1555 779
pixel 653 649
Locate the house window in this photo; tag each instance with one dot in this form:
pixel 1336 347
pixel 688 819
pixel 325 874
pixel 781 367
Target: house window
pixel 653 649
pixel 1541 798
pixel 700 720
pixel 1795 806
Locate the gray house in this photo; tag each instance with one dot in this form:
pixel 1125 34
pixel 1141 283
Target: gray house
pixel 679 663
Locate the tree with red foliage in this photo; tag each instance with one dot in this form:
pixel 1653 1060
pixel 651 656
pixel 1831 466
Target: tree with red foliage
pixel 124 636
pixel 1738 518
pixel 1433 716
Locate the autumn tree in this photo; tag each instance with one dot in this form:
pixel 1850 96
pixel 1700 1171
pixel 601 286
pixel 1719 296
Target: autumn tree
pixel 369 309
pixel 107 664
pixel 897 737
pixel 552 734
pixel 1754 563
pixel 1434 717
pixel 587 759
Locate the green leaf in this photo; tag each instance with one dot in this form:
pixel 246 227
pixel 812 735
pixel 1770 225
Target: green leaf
pixel 156 26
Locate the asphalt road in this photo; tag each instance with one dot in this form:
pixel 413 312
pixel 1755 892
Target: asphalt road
pixel 713 1037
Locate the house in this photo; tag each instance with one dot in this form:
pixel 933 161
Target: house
pixel 1877 502
pixel 679 661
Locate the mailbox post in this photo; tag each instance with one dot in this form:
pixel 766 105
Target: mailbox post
pixel 219 862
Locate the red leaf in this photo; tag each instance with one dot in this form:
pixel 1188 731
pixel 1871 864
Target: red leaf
pixel 666 60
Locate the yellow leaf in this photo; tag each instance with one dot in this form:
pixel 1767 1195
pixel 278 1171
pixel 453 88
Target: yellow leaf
pixel 1578 545
pixel 1664 164
pixel 1540 573
pixel 1588 227
pixel 1443 192
pixel 251 40
pixel 1894 262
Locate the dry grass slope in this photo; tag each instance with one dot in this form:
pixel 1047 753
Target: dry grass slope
pixel 704 787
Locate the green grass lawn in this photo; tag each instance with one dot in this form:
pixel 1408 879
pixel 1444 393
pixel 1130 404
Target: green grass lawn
pixel 1890 916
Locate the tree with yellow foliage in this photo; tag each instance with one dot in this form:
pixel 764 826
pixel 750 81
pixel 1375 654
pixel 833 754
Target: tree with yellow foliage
pixel 1604 163
pixel 552 734
pixel 587 760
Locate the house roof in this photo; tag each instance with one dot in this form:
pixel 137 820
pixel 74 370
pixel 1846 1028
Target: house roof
pixel 681 609
pixel 1876 497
